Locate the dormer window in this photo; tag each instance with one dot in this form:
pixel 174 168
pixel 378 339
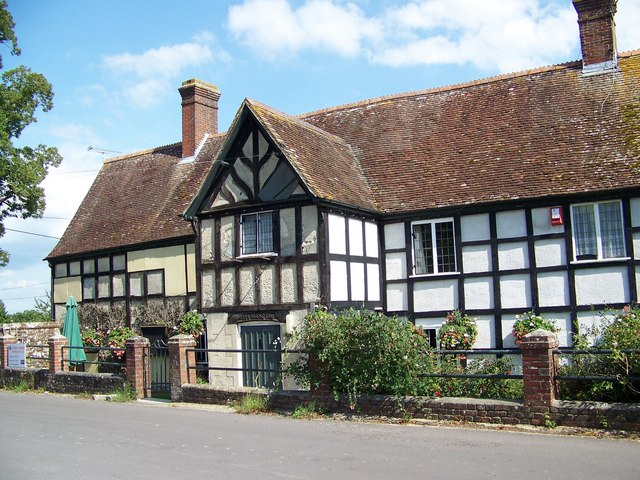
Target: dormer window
pixel 257 233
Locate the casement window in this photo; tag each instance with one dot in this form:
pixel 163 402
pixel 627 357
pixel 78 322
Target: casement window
pixel 102 277
pixel 257 233
pixel 598 232
pixel 433 247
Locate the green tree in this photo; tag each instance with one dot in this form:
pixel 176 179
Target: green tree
pixel 3 312
pixel 22 169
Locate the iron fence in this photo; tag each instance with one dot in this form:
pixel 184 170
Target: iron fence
pixel 596 377
pixel 111 366
pixel 462 354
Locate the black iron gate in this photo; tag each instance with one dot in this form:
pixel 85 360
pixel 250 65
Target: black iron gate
pixel 159 367
pixel 261 366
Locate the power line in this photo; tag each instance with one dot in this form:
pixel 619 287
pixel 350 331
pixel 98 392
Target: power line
pixel 25 298
pixel 24 286
pixel 31 233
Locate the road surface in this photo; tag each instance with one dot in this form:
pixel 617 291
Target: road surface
pixel 58 437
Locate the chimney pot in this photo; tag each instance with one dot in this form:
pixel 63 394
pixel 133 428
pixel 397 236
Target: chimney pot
pixel 597 34
pixel 199 113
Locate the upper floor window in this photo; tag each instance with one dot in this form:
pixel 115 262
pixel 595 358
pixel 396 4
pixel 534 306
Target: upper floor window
pixel 433 247
pixel 597 230
pixel 257 233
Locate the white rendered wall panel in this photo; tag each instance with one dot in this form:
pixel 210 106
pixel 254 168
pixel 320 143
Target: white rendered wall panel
pixel 357 282
pixel 511 224
pixel 550 253
pixel 513 256
pixel 289 283
pixel 311 274
pixel 553 289
pixel 309 229
pixel 486 332
pixel 435 295
pixel 356 240
pixel 287 232
pixel 636 246
pixel 208 288
pixel 635 212
pixel 207 239
pixel 396 265
pixel 227 237
pixel 394 236
pixel 602 285
pixel 371 240
pixel 478 293
pixel 476 258
pixel 338 278
pixel 515 291
pixel 373 282
pixel 247 286
pixel 337 235
pixel 475 227
pixel 397 298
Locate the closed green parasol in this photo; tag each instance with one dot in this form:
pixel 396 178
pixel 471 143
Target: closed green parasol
pixel 71 330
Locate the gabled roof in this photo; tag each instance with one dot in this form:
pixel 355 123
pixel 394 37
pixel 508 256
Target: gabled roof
pixel 326 164
pixel 551 131
pixel 135 199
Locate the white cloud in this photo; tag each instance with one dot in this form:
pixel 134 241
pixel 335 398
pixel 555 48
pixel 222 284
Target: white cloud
pixel 147 77
pixel 491 34
pixel 273 27
pixel 627 21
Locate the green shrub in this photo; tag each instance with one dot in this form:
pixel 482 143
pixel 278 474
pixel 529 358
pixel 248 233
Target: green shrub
pixel 616 331
pixel 361 352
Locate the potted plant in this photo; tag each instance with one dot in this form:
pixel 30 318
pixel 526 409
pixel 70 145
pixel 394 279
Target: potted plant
pixel 529 322
pixel 191 324
pixel 117 338
pixel 458 332
pixel 92 340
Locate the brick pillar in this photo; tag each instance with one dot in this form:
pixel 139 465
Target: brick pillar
pixel 538 368
pixel 58 356
pixel 322 387
pixel 5 341
pixel 178 356
pixel 138 371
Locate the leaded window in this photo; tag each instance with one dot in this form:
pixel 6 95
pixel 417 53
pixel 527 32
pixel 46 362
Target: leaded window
pixel 433 247
pixel 257 233
pixel 598 231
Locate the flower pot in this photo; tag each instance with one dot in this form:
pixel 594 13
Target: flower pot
pixel 92 356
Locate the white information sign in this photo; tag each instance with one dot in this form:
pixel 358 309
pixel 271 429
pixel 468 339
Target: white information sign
pixel 17 355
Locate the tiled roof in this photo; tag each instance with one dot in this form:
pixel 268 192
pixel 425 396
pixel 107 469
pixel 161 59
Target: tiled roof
pixel 327 165
pixel 135 199
pixel 546 132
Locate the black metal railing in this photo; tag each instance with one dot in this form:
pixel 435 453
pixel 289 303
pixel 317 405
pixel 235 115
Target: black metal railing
pixel 105 363
pixel 595 377
pixel 476 352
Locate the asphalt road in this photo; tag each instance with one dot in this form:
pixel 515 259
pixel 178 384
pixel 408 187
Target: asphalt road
pixel 55 437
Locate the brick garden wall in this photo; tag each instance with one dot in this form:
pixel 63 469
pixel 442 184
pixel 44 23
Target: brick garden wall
pixel 62 382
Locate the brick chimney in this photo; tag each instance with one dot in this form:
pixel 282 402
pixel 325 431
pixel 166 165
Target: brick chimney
pixel 597 34
pixel 199 113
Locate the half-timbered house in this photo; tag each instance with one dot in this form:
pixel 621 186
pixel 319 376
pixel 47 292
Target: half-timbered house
pixel 494 197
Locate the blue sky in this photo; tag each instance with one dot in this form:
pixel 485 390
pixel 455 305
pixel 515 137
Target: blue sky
pixel 116 65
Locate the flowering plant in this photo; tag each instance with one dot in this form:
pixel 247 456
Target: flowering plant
pixel 191 324
pixel 92 338
pixel 458 332
pixel 117 338
pixel 529 322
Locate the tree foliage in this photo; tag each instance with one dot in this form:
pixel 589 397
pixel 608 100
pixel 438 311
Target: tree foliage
pixel 22 168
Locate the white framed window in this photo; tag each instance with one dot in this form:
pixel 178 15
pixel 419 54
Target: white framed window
pixel 598 231
pixel 433 247
pixel 257 233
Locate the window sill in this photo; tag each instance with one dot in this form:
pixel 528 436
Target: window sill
pixel 432 275
pixel 265 256
pixel 599 261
